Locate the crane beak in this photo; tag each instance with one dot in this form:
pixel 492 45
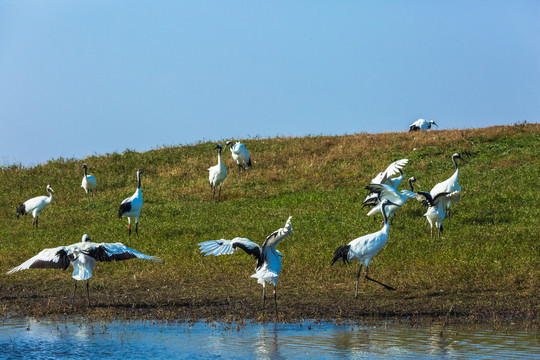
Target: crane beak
pixel 434 123
pixel 217 147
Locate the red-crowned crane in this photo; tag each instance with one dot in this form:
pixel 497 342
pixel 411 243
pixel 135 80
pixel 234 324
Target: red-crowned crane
pixel 83 256
pixel 436 207
pixel 449 185
pixel 88 184
pixel 240 155
pixel 364 248
pixel 268 258
pixel 35 206
pixel 217 174
pixel 422 124
pixel 131 207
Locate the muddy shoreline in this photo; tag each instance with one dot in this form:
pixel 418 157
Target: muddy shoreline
pixel 493 310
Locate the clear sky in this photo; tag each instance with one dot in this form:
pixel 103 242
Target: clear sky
pixel 80 78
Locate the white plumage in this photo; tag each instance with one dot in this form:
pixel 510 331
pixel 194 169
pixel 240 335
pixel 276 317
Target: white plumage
pixel 268 258
pixel 131 207
pixel 384 177
pixel 389 193
pixel 436 207
pixel 83 256
pixel 88 184
pixel 217 174
pixel 450 184
pixel 364 248
pixel 35 206
pixel 240 155
pixel 421 124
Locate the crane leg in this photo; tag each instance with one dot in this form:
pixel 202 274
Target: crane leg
pixel 240 168
pixel 213 193
pixel 219 194
pixel 137 228
pixel 93 201
pixel 378 282
pixel 88 198
pixel 357 277
pixel 129 229
pixel 88 292
pixel 264 296
pixel 74 291
pixel 275 299
pixel 37 220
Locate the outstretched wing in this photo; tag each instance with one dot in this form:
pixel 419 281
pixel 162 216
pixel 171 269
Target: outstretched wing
pixel 384 192
pixel 54 258
pixel 425 198
pixel 227 247
pixel 392 169
pixel 278 235
pixel 445 197
pixel 116 251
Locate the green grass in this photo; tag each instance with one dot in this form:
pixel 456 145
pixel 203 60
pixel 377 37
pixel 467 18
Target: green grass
pixel 490 249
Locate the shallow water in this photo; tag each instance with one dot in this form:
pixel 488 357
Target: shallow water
pixel 30 338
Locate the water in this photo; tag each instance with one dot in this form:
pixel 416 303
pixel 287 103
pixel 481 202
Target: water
pixel 47 339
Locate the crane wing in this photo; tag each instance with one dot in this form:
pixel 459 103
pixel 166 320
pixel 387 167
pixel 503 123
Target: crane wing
pixel 116 251
pixel 425 198
pixel 445 197
pixel 54 258
pixel 227 247
pixel 384 192
pixel 278 235
pixel 392 169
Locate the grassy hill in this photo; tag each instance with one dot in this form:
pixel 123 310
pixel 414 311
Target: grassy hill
pixel 485 268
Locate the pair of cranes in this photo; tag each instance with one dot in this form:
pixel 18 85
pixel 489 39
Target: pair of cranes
pixel 218 173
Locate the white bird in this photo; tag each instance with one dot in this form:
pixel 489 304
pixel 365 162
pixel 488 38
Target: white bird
pixel 385 178
pixel 83 257
pixel 268 258
pixel 240 155
pixel 217 174
pixel 88 184
pixel 387 192
pixel 131 207
pixel 421 124
pixel 436 207
pixel 450 184
pixel 364 248
pixel 35 206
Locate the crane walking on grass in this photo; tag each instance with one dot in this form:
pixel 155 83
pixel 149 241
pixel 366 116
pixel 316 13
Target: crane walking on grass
pixel 436 207
pixel 422 124
pixel 131 207
pixel 364 248
pixel 450 184
pixel 217 174
pixel 83 256
pixel 268 258
pixel 240 155
pixel 89 185
pixel 35 206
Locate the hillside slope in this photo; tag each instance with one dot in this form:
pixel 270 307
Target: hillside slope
pixel 485 268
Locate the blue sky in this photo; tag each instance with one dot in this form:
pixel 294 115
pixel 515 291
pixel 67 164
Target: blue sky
pixel 79 78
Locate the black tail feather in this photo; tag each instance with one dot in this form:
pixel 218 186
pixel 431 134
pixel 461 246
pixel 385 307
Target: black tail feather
pixel 125 207
pixel 21 210
pixel 342 253
pixel 249 162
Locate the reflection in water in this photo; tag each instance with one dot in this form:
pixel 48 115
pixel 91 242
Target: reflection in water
pixel 78 338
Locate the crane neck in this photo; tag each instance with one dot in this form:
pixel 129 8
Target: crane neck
pixel 411 185
pixel 455 162
pixel 85 171
pixel 138 180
